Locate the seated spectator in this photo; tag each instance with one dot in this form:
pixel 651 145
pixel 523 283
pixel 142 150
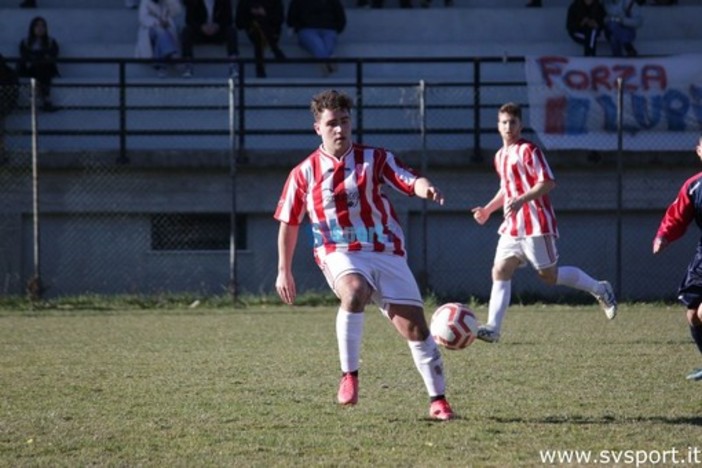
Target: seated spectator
pixel 158 35
pixel 209 21
pixel 28 4
pixel 9 93
pixel 38 52
pixel 534 3
pixel 584 23
pixel 262 20
pixel 622 20
pixel 318 24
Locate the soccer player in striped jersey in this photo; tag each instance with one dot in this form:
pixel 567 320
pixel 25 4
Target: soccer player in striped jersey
pixel 358 243
pixel 529 230
pixel 687 207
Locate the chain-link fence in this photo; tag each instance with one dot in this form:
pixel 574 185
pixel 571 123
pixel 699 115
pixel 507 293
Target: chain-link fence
pixel 170 187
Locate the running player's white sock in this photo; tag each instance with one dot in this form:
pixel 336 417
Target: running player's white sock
pixel 430 365
pixel 500 297
pixel 574 277
pixel 349 331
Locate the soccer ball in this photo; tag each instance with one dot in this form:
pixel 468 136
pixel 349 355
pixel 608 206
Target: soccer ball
pixel 454 326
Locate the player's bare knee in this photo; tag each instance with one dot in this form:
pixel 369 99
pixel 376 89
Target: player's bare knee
pixel 694 316
pixel 354 303
pixel 409 321
pixel 414 332
pixel 354 292
pixel 355 300
pixel 547 278
pixel 501 273
pixel 549 275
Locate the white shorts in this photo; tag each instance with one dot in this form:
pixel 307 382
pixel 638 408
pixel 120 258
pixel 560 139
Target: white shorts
pixel 389 276
pixel 539 251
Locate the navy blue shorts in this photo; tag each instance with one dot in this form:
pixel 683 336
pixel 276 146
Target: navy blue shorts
pixel 690 290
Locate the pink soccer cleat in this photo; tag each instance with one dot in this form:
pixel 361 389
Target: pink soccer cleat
pixel 348 390
pixel 441 410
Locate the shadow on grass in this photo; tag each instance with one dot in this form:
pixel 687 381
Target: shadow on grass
pixel 604 420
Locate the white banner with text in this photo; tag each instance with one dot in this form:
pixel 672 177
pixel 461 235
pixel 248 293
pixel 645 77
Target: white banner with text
pixel 573 102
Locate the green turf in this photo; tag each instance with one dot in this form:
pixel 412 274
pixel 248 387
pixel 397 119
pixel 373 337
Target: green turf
pixel 255 386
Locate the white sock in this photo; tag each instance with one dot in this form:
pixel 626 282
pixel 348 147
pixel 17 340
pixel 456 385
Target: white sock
pixel 500 296
pixel 576 278
pixel 349 331
pixel 430 365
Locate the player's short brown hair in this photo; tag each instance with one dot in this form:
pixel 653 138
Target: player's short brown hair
pixel 512 109
pixel 330 99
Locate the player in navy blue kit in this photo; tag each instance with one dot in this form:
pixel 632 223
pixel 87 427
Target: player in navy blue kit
pixel 687 207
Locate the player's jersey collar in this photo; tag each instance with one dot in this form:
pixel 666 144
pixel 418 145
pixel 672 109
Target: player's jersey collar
pixel 323 152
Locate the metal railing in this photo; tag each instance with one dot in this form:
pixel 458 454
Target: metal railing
pixel 99 216
pixel 474 100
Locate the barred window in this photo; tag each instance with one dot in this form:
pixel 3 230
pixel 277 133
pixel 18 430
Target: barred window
pixel 196 231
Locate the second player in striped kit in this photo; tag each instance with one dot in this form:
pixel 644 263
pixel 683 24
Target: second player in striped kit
pixel 529 230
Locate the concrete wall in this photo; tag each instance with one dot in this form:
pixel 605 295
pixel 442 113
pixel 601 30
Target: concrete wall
pixel 95 215
pixel 96 233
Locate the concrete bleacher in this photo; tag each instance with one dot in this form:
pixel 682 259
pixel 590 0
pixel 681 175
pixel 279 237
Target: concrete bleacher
pixel 471 28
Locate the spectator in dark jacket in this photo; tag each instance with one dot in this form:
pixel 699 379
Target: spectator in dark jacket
pixel 38 52
pixel 210 22
pixel 318 24
pixel 262 20
pixel 584 24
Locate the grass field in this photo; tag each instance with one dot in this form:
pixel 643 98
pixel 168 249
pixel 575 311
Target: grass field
pixel 256 387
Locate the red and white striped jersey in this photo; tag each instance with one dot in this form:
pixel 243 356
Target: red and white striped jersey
pixel 521 166
pixel 344 200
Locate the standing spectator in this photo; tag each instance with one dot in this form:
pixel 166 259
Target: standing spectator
pixel 38 52
pixel 584 24
pixel 358 243
pixel 318 24
pixel 158 35
pixel 262 20
pixel 9 93
pixel 529 231
pixel 208 21
pixel 687 207
pixel 622 20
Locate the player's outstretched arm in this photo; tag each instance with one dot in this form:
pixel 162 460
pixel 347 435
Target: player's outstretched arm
pixel 285 282
pixel 659 244
pixel 482 213
pixel 423 188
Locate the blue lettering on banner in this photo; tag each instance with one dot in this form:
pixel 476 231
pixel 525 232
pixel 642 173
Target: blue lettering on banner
pixel 580 94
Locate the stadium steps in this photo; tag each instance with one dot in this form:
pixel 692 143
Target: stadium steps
pixel 106 29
